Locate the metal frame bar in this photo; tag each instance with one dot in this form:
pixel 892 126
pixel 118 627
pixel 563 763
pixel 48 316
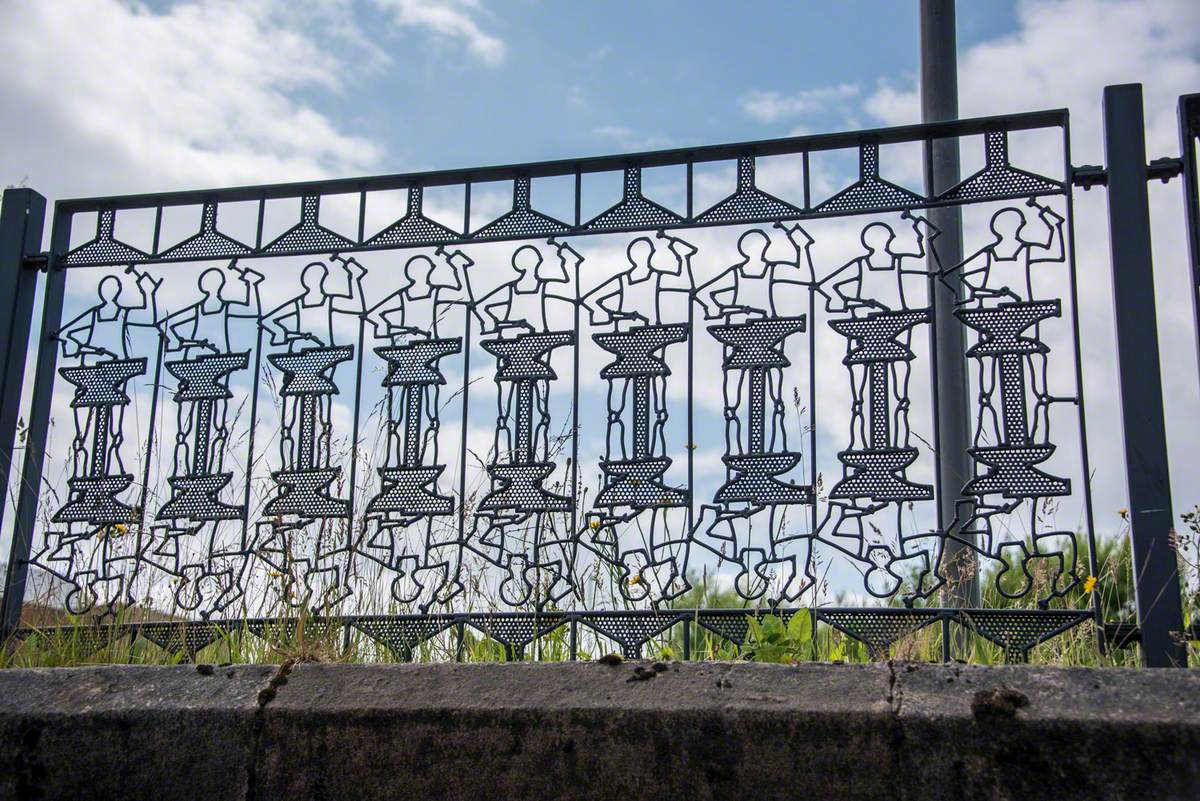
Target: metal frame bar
pixel 39 422
pixel 22 218
pixel 576 225
pixel 1189 138
pixel 1156 572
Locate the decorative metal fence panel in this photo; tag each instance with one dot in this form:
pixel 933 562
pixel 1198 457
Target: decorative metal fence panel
pixel 569 393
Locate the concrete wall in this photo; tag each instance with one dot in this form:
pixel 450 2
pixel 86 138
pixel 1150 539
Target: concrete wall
pixel 525 731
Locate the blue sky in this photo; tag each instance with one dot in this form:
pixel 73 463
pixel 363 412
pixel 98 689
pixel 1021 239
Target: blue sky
pixel 580 79
pixel 573 79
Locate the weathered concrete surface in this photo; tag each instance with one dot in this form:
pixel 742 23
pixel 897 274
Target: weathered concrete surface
pixel 127 732
pixel 521 731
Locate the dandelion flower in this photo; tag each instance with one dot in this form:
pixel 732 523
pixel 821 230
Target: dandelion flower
pixel 1089 584
pixel 635 580
pixel 595 524
pixel 1124 513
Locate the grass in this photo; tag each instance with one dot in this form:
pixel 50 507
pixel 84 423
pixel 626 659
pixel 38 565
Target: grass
pixel 769 638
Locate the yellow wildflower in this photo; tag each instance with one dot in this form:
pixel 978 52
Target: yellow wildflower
pixel 1089 584
pixel 595 524
pixel 1124 513
pixel 635 580
pixel 274 574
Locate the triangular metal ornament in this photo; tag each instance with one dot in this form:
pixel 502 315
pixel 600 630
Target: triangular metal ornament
pixel 402 635
pixel 878 629
pixel 208 243
pixel 414 228
pixel 514 633
pixel 308 235
pixel 176 637
pixel 522 221
pixel 634 210
pixel 104 248
pixel 1018 630
pixel 870 192
pixel 998 180
pixel 748 203
pixel 631 631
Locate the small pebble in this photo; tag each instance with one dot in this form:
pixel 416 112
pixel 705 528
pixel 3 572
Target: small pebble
pixel 610 659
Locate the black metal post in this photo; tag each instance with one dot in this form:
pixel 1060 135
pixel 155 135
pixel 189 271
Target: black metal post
pixel 21 219
pixel 38 427
pixel 1189 131
pixel 1156 572
pixel 939 102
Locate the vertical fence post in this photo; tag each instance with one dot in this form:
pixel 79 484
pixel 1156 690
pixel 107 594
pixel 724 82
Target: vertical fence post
pixel 1155 570
pixel 28 492
pixel 939 102
pixel 1189 130
pixel 21 219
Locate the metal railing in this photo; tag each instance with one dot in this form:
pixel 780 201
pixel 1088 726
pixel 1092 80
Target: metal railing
pixel 513 419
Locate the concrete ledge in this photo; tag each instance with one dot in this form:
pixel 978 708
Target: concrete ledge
pixel 540 731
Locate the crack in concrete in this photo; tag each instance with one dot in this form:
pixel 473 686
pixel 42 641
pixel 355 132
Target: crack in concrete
pixel 895 701
pixel 265 696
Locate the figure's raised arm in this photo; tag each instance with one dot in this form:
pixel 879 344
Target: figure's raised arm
pixel 250 300
pixel 1052 245
pixel 145 311
pixel 802 242
pixel 924 232
pixel 568 256
pixel 353 302
pixel 683 251
pixel 458 288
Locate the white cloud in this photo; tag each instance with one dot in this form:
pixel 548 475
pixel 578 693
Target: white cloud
pixel 452 19
pixel 205 93
pixel 771 106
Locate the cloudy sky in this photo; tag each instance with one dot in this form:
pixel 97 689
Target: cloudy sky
pixel 112 97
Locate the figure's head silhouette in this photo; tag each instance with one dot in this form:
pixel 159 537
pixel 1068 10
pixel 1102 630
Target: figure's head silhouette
pixel 418 270
pixel 753 245
pixel 641 253
pixel 313 277
pixel 212 281
pixel 526 260
pixel 1007 224
pixel 877 237
pixel 109 289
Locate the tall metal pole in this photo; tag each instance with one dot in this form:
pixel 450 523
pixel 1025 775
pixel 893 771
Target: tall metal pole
pixel 939 102
pixel 22 216
pixel 38 429
pixel 1151 521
